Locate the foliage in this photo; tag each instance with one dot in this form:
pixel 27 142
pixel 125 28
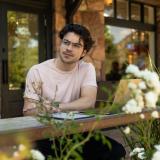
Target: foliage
pixel 22 151
pixel 69 145
pixel 110 47
pixel 143 135
pixel 21 54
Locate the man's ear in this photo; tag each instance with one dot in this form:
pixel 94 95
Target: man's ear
pixel 83 53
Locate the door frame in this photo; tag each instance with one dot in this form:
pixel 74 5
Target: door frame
pixel 45 50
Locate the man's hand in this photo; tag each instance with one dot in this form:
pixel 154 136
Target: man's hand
pixel 32 108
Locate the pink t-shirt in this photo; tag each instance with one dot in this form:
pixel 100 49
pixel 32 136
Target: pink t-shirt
pixel 47 81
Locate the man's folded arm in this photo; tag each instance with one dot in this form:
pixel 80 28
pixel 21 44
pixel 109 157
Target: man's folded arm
pixel 86 100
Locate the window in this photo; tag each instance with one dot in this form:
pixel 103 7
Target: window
pixel 122 9
pixel 148 14
pixel 135 12
pixel 129 36
pixel 22 46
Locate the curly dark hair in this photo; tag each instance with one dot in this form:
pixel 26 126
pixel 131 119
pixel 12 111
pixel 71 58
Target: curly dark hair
pixel 80 30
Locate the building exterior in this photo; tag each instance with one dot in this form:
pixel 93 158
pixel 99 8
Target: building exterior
pixel 29 35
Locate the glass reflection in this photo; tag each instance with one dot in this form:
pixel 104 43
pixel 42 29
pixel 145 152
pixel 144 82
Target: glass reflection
pixel 148 14
pixel 135 12
pixel 122 9
pixel 108 10
pixel 129 47
pixel 22 46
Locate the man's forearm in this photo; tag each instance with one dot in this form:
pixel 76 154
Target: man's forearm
pixel 31 112
pixel 31 108
pixel 78 105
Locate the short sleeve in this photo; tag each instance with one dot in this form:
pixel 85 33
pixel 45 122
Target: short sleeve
pixel 33 85
pixel 89 78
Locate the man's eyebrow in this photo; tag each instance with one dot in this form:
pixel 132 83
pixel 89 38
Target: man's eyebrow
pixel 74 42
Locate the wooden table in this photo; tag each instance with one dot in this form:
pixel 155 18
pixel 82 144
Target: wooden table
pixel 34 130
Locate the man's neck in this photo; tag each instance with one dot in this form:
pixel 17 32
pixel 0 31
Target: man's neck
pixel 64 66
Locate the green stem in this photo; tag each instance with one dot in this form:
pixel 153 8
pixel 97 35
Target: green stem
pixel 80 144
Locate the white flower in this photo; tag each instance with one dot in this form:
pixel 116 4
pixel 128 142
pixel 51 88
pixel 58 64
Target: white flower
pixel 157 88
pixel 132 86
pixel 15 154
pixel 141 155
pixel 37 155
pixel 155 114
pixel 145 74
pixel 157 147
pixel 133 69
pixel 151 78
pixel 22 147
pixel 127 130
pixel 151 99
pixel 156 155
pixel 136 151
pixel 131 107
pixel 139 99
pixel 142 116
pixel 142 85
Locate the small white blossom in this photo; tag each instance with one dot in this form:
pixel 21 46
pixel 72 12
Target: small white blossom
pixel 15 154
pixel 131 107
pixel 142 85
pixel 136 151
pixel 37 155
pixel 22 147
pixel 140 101
pixel 155 114
pixel 132 69
pixel 156 155
pixel 157 147
pixel 141 155
pixel 157 88
pixel 127 130
pixel 132 86
pixel 142 116
pixel 151 78
pixel 151 99
pixel 145 74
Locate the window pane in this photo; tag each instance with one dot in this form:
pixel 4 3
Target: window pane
pixel 22 46
pixel 122 9
pixel 148 14
pixel 129 47
pixel 108 11
pixel 135 12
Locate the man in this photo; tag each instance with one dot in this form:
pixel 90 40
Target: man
pixel 71 82
pixel 66 79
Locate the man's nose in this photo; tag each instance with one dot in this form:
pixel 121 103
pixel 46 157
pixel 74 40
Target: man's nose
pixel 70 47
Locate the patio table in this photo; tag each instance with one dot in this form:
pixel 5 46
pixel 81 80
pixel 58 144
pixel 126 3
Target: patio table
pixel 34 130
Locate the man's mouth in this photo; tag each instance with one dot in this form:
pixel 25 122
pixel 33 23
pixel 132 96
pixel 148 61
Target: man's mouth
pixel 67 54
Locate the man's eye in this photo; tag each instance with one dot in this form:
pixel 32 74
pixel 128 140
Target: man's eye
pixel 77 45
pixel 66 42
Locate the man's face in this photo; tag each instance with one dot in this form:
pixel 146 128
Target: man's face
pixel 71 48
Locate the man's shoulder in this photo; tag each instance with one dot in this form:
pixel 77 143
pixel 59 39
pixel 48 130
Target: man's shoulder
pixel 41 66
pixel 85 65
pixel 44 64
